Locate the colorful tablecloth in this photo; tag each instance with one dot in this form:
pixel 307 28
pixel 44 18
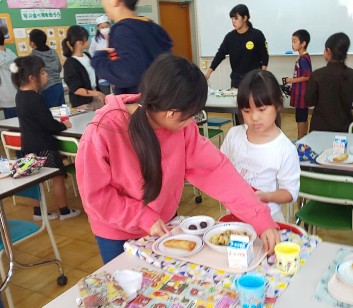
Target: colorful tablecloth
pixel 277 282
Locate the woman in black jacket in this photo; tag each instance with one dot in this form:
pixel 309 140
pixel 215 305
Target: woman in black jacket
pixel 79 75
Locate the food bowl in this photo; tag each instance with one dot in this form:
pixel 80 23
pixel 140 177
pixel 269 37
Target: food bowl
pixel 197 225
pixel 235 227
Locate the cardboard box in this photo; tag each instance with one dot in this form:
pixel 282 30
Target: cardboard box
pixel 240 252
pixel 340 144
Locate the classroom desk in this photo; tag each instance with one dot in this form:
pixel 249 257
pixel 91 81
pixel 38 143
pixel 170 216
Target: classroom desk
pixel 223 104
pixel 79 123
pixel 320 141
pixel 8 187
pixel 298 294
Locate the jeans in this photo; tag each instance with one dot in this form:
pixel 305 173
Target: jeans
pixel 109 249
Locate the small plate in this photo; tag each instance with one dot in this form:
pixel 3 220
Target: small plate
pixel 196 221
pixel 174 252
pixel 344 272
pixel 330 158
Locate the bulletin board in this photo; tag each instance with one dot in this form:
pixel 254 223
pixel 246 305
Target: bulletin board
pixel 51 16
pixel 54 37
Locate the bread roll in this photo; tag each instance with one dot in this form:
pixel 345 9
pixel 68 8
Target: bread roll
pixel 180 244
pixel 341 157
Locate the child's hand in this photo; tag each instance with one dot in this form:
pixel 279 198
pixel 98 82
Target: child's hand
pixel 159 228
pixel 67 123
pixel 270 238
pixel 262 196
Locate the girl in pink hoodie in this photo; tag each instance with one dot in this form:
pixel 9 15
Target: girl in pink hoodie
pixel 139 149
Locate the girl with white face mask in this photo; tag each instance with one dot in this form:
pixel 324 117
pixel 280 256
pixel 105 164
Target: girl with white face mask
pixel 99 42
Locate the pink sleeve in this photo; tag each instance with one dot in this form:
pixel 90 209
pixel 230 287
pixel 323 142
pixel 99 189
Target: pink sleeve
pixel 212 172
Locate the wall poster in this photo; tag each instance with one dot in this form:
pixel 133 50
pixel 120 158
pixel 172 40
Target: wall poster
pixel 6 28
pixel 28 4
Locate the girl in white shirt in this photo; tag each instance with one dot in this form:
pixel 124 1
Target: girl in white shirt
pixel 258 149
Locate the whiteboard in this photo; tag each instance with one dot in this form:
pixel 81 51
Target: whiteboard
pixel 277 19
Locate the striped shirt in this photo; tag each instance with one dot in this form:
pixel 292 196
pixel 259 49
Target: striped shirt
pixel 302 68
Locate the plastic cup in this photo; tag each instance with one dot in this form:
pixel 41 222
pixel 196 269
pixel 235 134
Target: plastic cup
pixel 63 119
pixel 251 290
pixel 287 257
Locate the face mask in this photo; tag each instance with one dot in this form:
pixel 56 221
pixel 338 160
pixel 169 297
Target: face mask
pixel 104 31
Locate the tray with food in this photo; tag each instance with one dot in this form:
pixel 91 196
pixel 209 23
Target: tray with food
pixel 209 249
pixel 56 112
pixel 328 158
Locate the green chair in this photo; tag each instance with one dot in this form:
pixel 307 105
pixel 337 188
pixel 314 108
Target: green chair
pixel 210 132
pixel 326 201
pixel 68 147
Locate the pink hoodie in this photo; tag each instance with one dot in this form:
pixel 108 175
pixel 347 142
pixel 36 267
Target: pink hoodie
pixel 110 181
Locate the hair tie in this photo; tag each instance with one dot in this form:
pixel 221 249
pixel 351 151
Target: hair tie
pixel 13 68
pixel 139 105
pixel 68 45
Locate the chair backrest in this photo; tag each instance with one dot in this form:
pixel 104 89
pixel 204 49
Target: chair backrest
pixel 11 141
pixel 67 145
pixel 350 128
pixel 328 188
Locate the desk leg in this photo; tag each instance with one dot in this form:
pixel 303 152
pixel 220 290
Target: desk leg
pixel 6 239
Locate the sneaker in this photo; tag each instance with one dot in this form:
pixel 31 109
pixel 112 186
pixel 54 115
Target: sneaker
pixel 51 216
pixel 72 214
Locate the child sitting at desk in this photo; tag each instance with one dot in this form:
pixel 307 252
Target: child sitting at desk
pixel 260 151
pixel 37 126
pixel 139 149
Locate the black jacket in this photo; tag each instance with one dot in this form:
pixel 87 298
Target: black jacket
pixel 37 124
pixel 330 90
pixel 76 76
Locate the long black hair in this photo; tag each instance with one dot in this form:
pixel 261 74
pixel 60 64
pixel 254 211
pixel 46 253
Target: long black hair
pixel 264 89
pixel 73 35
pixel 25 67
pixel 170 83
pixel 338 43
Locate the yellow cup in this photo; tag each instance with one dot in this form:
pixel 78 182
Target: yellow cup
pixel 287 257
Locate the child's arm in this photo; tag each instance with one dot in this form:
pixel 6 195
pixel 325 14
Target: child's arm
pixel 297 79
pixel 278 196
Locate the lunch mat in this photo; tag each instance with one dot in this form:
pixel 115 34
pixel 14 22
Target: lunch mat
pixel 277 282
pixel 321 292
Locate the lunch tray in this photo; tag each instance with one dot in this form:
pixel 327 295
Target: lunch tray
pixel 213 259
pixel 321 159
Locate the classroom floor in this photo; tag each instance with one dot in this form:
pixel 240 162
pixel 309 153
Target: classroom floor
pixel 77 246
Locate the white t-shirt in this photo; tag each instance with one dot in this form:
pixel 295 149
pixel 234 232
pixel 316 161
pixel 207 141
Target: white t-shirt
pixel 94 46
pixel 266 167
pixel 86 62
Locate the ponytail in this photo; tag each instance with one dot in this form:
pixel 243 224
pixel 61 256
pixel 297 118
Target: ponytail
pixel 148 150
pixel 67 48
pixel 73 35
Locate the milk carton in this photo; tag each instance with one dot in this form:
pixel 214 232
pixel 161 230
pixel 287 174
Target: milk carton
pixel 340 144
pixel 240 252
pixel 64 110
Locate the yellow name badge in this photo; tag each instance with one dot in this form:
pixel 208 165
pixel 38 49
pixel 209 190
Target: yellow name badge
pixel 249 45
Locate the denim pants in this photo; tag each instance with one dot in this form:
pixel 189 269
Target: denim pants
pixel 109 249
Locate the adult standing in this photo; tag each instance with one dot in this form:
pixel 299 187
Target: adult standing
pixel 7 89
pixel 245 45
pixel 134 42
